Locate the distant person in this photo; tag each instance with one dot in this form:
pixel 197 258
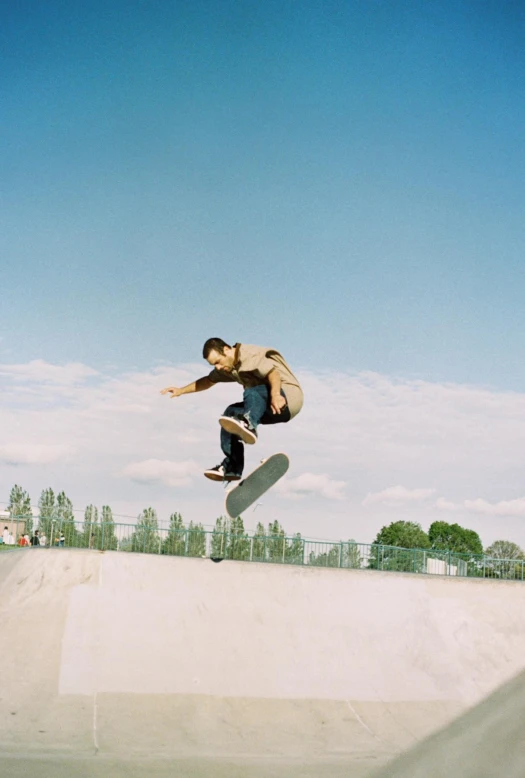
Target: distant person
pixel 5 535
pixel 61 539
pixel 272 395
pixel 23 540
pixel 35 539
pixel 43 540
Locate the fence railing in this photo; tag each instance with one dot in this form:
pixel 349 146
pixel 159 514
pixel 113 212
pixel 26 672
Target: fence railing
pixel 253 547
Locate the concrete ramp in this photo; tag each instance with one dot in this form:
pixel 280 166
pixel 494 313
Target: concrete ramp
pixel 141 665
pixel 486 742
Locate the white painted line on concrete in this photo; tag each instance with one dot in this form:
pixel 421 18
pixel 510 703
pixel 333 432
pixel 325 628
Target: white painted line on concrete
pixel 95 702
pixel 360 720
pixel 95 734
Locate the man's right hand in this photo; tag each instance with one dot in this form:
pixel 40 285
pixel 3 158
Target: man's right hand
pixel 173 391
pixel 197 386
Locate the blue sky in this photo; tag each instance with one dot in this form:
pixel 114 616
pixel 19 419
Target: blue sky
pixel 341 180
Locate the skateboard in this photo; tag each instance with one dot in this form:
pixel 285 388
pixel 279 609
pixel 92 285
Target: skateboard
pixel 244 494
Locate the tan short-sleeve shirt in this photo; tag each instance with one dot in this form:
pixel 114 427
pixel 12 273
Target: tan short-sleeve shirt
pixel 251 368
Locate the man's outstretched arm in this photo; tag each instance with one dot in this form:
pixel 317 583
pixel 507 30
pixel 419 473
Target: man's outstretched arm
pixel 197 386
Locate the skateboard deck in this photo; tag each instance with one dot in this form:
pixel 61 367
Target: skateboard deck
pixel 257 483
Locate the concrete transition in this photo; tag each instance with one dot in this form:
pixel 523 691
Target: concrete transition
pixel 116 664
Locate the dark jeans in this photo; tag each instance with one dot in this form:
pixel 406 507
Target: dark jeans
pixel 256 409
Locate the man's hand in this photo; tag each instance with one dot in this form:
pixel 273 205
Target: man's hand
pixel 173 391
pixel 197 386
pixel 277 403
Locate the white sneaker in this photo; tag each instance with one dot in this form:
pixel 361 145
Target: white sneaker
pixel 239 427
pixel 219 473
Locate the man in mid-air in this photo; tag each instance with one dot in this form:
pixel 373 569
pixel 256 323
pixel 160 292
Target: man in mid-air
pixel 272 395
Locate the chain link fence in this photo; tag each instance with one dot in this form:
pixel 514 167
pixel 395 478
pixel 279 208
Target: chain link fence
pixel 254 547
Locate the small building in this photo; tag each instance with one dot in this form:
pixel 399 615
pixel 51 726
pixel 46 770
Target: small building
pixel 15 527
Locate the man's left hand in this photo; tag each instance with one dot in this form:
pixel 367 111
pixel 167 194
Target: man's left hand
pixel 277 403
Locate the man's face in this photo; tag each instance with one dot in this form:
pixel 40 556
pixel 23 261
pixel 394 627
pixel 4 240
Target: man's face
pixel 224 361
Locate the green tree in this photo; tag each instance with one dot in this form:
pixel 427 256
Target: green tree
pixel 452 537
pixel 219 538
pixel 328 558
pixel 400 546
pixel 351 556
pixel 126 543
pixel 20 507
pixel 66 521
pixel 340 555
pixel 280 548
pixel 504 549
pixel 403 534
pixel 196 540
pixel 146 538
pixel 239 541
pixel 90 527
pixel 229 539
pixel 175 542
pixel 259 544
pixel 274 546
pixel 505 559
pixel 294 551
pixel 276 542
pixel 105 537
pixel 47 522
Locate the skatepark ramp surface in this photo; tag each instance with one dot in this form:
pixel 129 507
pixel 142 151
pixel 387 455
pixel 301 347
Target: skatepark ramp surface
pixel 484 743
pixel 120 664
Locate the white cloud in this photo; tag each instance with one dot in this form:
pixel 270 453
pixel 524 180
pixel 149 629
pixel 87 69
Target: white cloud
pixel 308 484
pixel 43 372
pixel 355 434
pixel 163 471
pixel 29 454
pixel 502 508
pixel 398 495
pixel 484 507
pixel 446 505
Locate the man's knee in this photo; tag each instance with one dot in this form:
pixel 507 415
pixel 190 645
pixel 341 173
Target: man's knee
pixel 234 410
pixel 261 390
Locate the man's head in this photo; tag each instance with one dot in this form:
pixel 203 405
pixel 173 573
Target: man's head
pixel 219 354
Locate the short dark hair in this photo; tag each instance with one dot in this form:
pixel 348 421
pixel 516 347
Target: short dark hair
pixel 214 344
